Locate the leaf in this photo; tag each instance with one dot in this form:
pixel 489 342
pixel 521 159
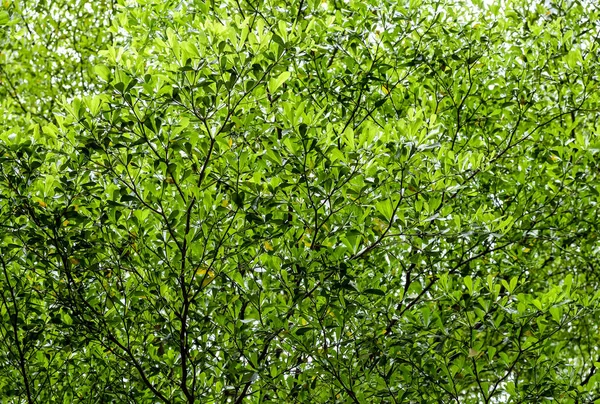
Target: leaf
pixel 103 72
pixel 380 102
pixel 491 352
pixel 386 208
pixel 238 199
pixel 349 137
pixel 513 284
pixel 205 275
pixel 275 83
pixel 556 313
pixel 303 330
pixel 469 284
pixel 4 18
pixel 67 319
pixel 377 292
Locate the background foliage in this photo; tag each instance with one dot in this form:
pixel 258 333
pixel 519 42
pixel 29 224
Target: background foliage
pixel 308 201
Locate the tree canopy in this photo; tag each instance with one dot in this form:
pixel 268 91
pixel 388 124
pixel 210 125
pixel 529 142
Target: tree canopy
pixel 311 201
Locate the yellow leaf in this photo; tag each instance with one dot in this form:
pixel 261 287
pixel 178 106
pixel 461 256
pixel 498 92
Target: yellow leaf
pixel 207 281
pixel 42 204
pixel 206 274
pixel 526 250
pixel 268 246
pixel 230 142
pixel 74 260
pixel 66 223
pixel 379 225
pixel 202 270
pixel 385 90
pixel 225 203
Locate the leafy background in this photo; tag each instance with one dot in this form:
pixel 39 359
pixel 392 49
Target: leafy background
pixel 339 201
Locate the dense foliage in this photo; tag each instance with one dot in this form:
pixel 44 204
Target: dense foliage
pixel 299 201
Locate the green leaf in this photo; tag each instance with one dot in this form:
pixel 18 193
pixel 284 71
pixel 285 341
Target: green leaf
pixel 303 330
pixel 4 17
pixel 103 72
pixel 377 292
pixel 238 199
pixel 277 82
pixel 469 284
